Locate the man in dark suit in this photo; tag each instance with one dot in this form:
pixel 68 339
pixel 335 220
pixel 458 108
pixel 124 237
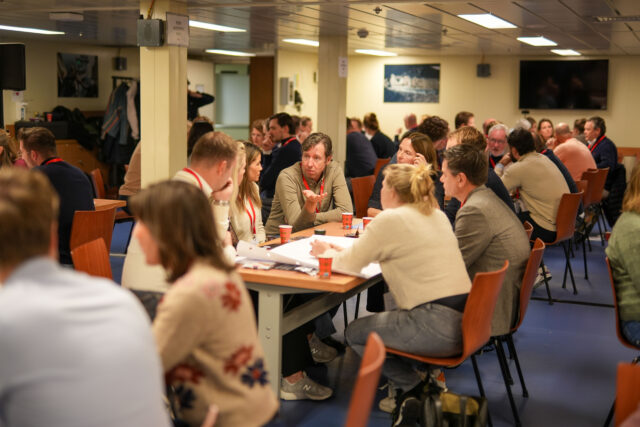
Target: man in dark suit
pixel 38 148
pixel 488 231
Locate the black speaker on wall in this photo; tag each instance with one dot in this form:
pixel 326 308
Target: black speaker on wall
pixel 483 70
pixel 12 66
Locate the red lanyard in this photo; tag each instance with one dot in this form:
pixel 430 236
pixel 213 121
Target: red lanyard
pixel 288 141
pixel 252 219
pixel 195 175
pixel 544 151
pixel 54 160
pixel 593 147
pixel 493 163
pixel 304 181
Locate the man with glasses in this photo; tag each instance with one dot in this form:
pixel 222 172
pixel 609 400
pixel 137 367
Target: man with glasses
pixel 497 144
pixel 312 191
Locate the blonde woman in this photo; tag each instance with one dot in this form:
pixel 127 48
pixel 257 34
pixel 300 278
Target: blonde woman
pixel 246 217
pixel 420 260
pixel 624 252
pixel 205 327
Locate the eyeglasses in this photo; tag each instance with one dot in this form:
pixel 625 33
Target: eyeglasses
pixel 497 141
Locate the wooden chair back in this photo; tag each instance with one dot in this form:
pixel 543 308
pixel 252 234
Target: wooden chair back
pixel 627 391
pixel 528 228
pixel 476 319
pixel 92 258
pixel 362 188
pixel 596 180
pixel 566 216
pixel 92 225
pixel 583 185
pixel 367 382
pixel 379 164
pixel 98 184
pixel 529 279
pixel 621 336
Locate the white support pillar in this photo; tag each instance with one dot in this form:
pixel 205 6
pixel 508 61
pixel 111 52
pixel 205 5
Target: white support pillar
pixel 332 92
pixel 163 103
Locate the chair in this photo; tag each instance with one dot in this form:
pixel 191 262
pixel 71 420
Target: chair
pixel 565 228
pixel 367 383
pixel 528 281
pixel 91 225
pixel 596 180
pixel 362 188
pixel 528 228
pixel 583 186
pixel 92 258
pixel 98 186
pixel 627 391
pixel 625 342
pixel 379 164
pixel 476 326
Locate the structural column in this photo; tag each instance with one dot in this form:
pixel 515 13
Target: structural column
pixel 163 103
pixel 332 92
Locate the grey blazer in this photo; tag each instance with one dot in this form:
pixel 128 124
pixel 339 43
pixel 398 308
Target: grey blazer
pixel 489 233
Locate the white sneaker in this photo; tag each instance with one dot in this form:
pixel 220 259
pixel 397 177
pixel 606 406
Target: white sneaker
pixel 388 404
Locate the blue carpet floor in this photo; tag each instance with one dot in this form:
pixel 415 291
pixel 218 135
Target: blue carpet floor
pixel 568 351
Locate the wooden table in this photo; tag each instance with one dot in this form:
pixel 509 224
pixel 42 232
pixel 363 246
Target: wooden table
pixel 272 285
pixel 104 204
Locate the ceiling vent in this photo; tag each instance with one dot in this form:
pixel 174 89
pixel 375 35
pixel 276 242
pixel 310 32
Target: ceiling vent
pixel 605 19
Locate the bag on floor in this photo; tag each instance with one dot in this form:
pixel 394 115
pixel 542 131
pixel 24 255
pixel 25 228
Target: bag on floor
pixel 447 409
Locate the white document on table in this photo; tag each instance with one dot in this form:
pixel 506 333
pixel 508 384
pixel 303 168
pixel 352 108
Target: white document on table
pixel 298 253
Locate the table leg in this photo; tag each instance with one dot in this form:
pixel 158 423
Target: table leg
pixel 270 332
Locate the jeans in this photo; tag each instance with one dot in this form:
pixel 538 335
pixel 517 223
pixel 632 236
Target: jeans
pixel 545 235
pixel 428 330
pixel 631 331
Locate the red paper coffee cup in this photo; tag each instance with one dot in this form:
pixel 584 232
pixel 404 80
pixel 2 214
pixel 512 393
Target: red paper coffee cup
pixel 325 267
pixel 285 233
pixel 347 217
pixel 366 220
pixel 49 117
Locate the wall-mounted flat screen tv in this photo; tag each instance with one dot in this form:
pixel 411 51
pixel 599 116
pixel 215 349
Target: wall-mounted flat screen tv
pixel 569 85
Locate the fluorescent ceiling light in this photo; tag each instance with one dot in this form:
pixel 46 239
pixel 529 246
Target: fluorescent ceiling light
pixel 229 52
pixel 375 52
pixel 302 42
pixel 487 20
pixel 214 27
pixel 29 30
pixel 566 52
pixel 537 41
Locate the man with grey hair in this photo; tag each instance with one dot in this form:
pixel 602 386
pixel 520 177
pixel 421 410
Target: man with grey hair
pixel 497 144
pixel 571 152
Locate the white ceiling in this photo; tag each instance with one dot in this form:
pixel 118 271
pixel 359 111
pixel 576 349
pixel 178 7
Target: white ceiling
pixel 404 27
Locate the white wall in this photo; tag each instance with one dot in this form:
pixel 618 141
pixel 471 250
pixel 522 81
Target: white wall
pixel 460 89
pixel 300 68
pixel 41 72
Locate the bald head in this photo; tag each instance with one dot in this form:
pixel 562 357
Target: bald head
pixel 563 132
pixel 410 121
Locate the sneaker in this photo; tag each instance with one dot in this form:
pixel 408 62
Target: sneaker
pixel 539 281
pixel 321 352
pixel 437 377
pixel 388 404
pixel 409 412
pixel 304 389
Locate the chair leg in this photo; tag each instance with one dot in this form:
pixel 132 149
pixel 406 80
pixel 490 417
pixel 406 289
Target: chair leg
pixel 568 267
pixel 357 306
pixel 512 350
pixel 344 315
pixel 546 281
pixel 584 256
pixel 474 363
pixel 504 368
pixel 506 364
pixel 610 415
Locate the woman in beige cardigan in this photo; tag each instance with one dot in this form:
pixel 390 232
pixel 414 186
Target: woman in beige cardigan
pixel 205 327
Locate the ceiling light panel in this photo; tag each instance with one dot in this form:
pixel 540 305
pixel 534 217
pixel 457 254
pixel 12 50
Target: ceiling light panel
pixel 537 41
pixel 229 52
pixel 29 30
pixel 566 52
pixel 487 20
pixel 214 27
pixel 303 42
pixel 375 52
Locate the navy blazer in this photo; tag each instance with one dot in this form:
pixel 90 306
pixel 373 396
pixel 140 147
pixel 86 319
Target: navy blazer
pixel 282 157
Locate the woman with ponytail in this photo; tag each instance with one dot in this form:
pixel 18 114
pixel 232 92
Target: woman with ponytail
pixel 420 260
pixel 382 144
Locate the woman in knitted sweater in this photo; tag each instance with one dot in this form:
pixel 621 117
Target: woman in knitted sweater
pixel 624 252
pixel 205 328
pixel 421 262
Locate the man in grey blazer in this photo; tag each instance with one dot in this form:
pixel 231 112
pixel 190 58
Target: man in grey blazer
pixel 488 231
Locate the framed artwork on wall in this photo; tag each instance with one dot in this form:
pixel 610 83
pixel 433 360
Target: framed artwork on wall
pixel 412 83
pixel 77 76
